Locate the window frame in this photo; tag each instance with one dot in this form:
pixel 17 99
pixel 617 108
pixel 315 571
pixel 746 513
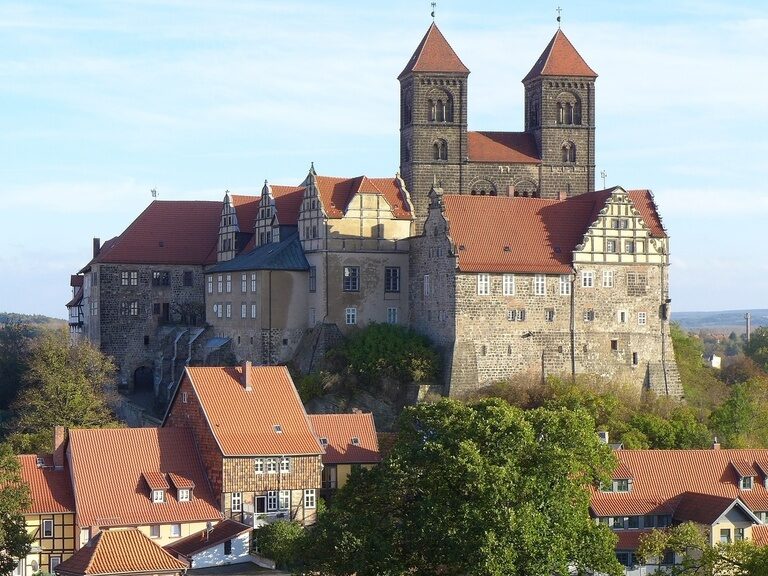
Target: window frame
pixel 351 279
pixel 310 498
pixel 312 279
pixel 608 278
pixel 284 500
pixel 565 285
pixel 272 501
pixel 483 284
pixel 175 530
pixel 258 466
pixel 392 279
pixel 158 496
pixel 587 279
pixel 48 533
pixel 350 315
pixel 540 285
pixel 236 501
pixel 508 285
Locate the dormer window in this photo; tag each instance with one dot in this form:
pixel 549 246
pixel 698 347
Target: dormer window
pixel 355 441
pixel 746 483
pixel 324 442
pixel 158 496
pixel 621 485
pixel 184 495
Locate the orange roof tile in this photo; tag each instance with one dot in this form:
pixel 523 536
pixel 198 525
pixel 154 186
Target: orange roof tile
pixel 247 209
pixel 434 54
pixel 701 508
pixel 560 58
pixel 243 422
pixel 339 430
pixel 199 541
pixel 50 489
pixel 336 193
pixel 760 534
pixel 630 539
pixel 288 203
pixel 110 490
pixel 180 481
pixel 168 232
pixel 622 472
pixel 743 468
pixel 662 477
pixel 645 205
pixel 509 147
pixel 121 551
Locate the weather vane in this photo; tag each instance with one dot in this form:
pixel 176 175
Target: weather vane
pixel 558 16
pixel 434 4
pixel 603 175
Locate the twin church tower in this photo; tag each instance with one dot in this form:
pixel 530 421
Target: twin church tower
pixel 553 158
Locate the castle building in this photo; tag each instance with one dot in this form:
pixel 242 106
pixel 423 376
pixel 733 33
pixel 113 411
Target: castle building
pixel 494 244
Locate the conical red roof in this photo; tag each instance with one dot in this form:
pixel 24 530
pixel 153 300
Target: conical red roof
pixel 434 54
pixel 560 58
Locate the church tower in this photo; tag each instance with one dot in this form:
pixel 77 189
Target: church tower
pixel 560 113
pixel 433 121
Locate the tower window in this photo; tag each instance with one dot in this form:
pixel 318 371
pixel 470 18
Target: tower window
pixel 440 150
pixel 569 152
pixel 431 110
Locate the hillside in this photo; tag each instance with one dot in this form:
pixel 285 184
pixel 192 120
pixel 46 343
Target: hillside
pixel 725 320
pixel 37 320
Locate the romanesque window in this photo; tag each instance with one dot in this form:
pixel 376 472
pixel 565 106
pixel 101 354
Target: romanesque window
pixel 431 110
pixel 483 188
pixel 568 111
pixel 440 150
pixel 483 284
pixel 508 284
pixel 565 285
pixel 526 189
pixel 539 284
pixel 569 152
pixel 351 281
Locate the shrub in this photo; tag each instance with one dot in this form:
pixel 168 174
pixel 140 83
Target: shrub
pixel 281 541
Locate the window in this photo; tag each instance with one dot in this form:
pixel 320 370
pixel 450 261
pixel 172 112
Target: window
pixel 161 278
pixel 565 285
pixel 440 150
pixel 350 316
pixel 229 283
pixel 589 315
pixel 258 466
pixel 272 500
pixel 540 285
pixel 243 283
pixel 53 562
pixel 620 223
pixel 739 534
pixel 253 282
pixel 313 278
pixel 621 316
pixel 508 284
pixel 746 482
pixel 285 499
pixel 569 152
pixel 47 528
pixel 134 278
pixel 124 278
pixel 610 246
pixel 227 547
pixel 184 397
pixel 635 359
pixel 184 495
pixel 133 308
pixel 85 535
pixel 725 535
pixel 587 279
pixel 175 530
pixel 236 501
pixel 278 428
pixel 549 314
pixel 516 315
pixel 614 345
pixel 633 522
pixel 229 310
pixel 351 281
pixel 158 496
pixel 392 279
pixel 94 307
pixel 220 283
pixel 243 310
pixel 210 284
pixel 618 523
pixel 607 278
pixel 391 315
pixel 271 466
pixel 253 310
pixel 621 485
pixel 483 284
pixel 285 465
pixel 309 498
pixel 629 247
pixel 642 318
pixel 427 291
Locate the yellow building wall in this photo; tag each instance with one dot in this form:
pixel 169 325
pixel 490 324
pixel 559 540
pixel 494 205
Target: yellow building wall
pixel 165 532
pixel 61 544
pixel 344 470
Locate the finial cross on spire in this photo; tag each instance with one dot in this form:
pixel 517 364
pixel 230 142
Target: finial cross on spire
pixel 558 16
pixel 434 5
pixel 603 175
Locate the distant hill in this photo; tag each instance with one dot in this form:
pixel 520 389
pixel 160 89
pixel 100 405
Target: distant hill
pixel 37 320
pixel 725 320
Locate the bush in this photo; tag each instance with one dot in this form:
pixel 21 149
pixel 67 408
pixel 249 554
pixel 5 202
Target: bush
pixel 281 541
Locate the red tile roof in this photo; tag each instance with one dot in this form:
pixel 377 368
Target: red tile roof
pixel 288 203
pixel 243 422
pixel 434 54
pixel 643 201
pixel 199 541
pixel 336 194
pixel 110 490
pixel 508 147
pixel 247 209
pixel 701 508
pixel 168 232
pixel 339 430
pixel 630 539
pixel 155 480
pixel 743 468
pixel 180 481
pixel 50 489
pixel 76 299
pixel 662 477
pixel 760 534
pixel 121 551
pixel 560 58
pixel 509 234
pixel 622 472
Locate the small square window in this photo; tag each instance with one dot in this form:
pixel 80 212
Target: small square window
pixel 642 318
pixel 175 530
pixel 324 442
pixel 277 428
pixel 355 441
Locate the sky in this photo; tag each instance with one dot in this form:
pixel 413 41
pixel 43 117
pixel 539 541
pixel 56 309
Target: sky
pixel 102 101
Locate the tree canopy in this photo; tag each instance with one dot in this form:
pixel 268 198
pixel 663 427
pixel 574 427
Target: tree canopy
pixel 757 347
pixel 14 499
pixel 484 488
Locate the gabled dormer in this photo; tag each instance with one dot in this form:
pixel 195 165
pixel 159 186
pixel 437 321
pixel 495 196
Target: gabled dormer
pixel 228 230
pixel 746 474
pixel 158 486
pixel 622 480
pixel 184 487
pixel 762 466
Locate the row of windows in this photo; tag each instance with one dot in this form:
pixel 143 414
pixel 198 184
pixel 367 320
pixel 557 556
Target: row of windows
pixel 224 310
pixel 275 500
pixel 224 283
pixel 351 279
pixel 589 315
pixel 634 279
pixel 159 278
pixel 350 315
pixel 612 246
pixel 271 465
pixel 636 522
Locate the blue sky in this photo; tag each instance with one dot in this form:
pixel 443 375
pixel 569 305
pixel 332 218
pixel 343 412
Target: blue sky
pixel 102 101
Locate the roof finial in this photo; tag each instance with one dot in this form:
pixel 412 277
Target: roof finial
pixel 558 16
pixel 434 4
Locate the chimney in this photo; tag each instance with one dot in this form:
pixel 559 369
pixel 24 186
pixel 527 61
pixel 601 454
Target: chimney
pixel 716 444
pixel 96 247
pixel 247 375
pixel 59 446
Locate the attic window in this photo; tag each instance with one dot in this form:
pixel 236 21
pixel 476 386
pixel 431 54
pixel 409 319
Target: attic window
pixel 324 441
pixel 158 496
pixel 184 495
pixel 355 441
pixel 40 462
pixel 746 482
pixel 277 428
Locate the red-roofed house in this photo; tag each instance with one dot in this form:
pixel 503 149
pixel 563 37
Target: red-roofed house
pixel 350 441
pixel 259 450
pixel 511 285
pixel 723 491
pixel 228 542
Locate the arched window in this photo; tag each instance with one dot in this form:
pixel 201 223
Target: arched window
pixel 436 151
pixel 560 113
pixel 431 110
pixel 568 109
pixel 440 150
pixel 526 189
pixel 568 113
pixel 569 152
pixel 483 188
pixel 443 150
pixel 440 106
pixel 577 113
pixel 449 110
pixel 440 111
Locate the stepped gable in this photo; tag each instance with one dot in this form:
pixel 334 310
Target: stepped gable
pixel 434 54
pixel 506 147
pixel 339 430
pixel 109 467
pixel 168 232
pixel 560 58
pixel 243 421
pixel 50 489
pixel 689 481
pixel 125 551
pixel 336 194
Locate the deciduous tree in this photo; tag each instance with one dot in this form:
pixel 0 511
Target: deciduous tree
pixel 14 498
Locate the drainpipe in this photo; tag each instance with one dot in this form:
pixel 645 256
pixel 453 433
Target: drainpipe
pixel 573 326
pixel 269 333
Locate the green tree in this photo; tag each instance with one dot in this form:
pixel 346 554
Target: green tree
pixel 699 558
pixel 14 351
pixel 757 347
pixel 742 420
pixel 484 488
pixel 281 541
pixel 703 390
pixel 14 499
pixel 67 384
